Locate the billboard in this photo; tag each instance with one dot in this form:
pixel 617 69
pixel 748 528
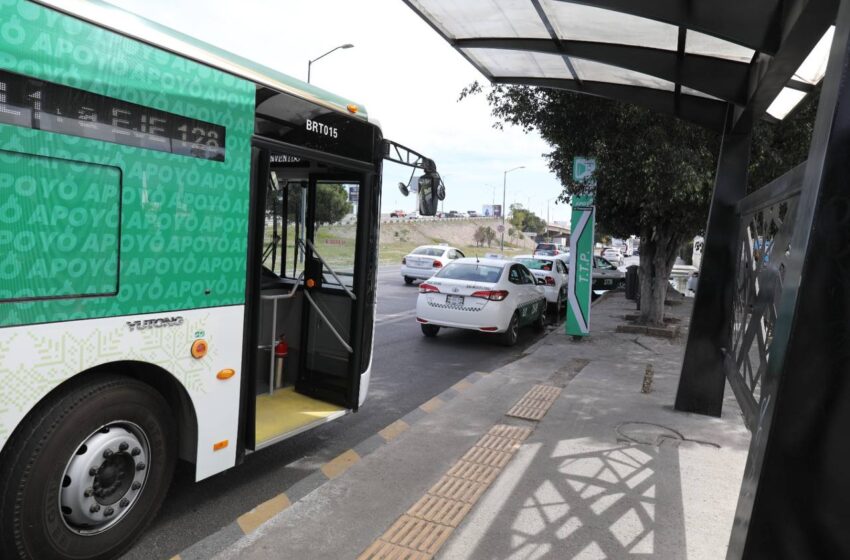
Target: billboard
pixel 492 211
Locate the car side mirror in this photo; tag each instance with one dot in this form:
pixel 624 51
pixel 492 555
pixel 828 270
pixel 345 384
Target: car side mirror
pixel 541 282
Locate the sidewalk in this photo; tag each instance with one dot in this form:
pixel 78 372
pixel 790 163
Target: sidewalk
pixel 608 472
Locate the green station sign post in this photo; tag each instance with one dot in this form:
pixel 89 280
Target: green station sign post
pixel 582 228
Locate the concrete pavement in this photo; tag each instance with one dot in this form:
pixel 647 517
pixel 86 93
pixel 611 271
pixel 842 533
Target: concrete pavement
pixel 608 472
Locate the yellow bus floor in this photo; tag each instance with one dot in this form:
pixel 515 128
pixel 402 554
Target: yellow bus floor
pixel 285 411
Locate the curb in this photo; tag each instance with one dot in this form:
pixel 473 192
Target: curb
pixel 251 520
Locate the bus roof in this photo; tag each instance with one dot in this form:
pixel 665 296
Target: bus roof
pixel 132 25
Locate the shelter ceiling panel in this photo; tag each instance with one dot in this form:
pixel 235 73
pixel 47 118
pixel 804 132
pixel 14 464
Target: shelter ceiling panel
pixel 590 71
pixel 500 62
pixel 482 18
pixel 578 22
pixel 813 68
pixel 707 45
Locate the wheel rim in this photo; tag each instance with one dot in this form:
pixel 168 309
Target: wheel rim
pixel 514 328
pixel 104 478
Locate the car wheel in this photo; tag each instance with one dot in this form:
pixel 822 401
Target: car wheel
pixel 540 322
pixel 430 330
pixel 408 280
pixel 510 336
pixel 85 474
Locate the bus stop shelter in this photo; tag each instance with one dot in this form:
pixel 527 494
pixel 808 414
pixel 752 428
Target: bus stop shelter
pixel 771 316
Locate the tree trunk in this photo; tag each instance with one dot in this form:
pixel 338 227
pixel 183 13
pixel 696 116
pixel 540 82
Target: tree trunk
pixel 658 250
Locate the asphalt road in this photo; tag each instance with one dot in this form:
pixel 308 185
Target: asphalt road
pixel 407 370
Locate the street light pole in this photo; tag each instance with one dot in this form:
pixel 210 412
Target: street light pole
pixel 504 198
pixel 310 62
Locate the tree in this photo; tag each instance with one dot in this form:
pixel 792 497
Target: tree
pixel 654 173
pixel 331 203
pixel 526 220
pixel 479 236
pixel 489 235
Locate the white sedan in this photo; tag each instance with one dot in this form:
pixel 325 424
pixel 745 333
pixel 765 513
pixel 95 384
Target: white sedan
pixel 487 295
pixel 554 273
pixel 424 261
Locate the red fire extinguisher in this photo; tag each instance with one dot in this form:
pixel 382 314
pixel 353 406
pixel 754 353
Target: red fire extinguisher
pixel 281 349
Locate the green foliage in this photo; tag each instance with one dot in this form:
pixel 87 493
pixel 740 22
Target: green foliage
pixel 489 235
pixel 778 147
pixel 331 203
pixel 653 171
pixel 479 236
pixel 526 220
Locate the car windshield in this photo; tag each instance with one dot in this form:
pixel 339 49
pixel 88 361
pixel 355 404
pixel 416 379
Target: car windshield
pixel 471 272
pixel 547 246
pixel 536 264
pixel 429 251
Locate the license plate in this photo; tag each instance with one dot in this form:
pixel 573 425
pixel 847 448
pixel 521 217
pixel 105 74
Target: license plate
pixel 608 282
pixel 454 300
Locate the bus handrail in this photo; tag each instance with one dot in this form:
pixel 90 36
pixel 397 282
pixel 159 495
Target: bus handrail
pixel 326 265
pixel 276 298
pixel 327 321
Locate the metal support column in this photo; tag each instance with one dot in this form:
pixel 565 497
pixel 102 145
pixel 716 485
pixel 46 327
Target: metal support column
pixel 796 489
pixel 703 375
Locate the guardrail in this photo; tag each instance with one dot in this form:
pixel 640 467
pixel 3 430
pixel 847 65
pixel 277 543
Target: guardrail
pixel 386 220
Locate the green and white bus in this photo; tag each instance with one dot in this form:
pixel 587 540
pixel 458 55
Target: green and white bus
pixel 188 257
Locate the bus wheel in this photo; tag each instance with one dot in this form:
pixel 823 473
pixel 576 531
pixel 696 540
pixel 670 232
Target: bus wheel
pixel 84 475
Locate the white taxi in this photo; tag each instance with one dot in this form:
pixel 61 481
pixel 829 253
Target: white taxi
pixel 554 273
pixel 487 295
pixel 424 261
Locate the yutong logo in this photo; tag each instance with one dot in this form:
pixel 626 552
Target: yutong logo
pixel 154 323
pixel 319 128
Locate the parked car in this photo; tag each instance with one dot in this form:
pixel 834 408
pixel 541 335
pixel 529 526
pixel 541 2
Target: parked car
pixel 424 261
pixel 452 214
pixel 613 255
pixel 554 273
pixel 472 214
pixel 549 249
pixel 488 295
pixel 398 214
pixel 605 275
pixel 413 216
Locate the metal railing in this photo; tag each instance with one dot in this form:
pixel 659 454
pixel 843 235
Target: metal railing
pixel 765 226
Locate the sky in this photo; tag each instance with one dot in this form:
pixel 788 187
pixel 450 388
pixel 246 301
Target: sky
pixel 401 70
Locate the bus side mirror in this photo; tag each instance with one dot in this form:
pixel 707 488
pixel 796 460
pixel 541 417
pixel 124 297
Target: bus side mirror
pixel 429 193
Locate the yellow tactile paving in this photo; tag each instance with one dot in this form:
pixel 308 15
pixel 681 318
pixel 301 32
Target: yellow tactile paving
pixel 513 432
pixel 262 513
pixel 535 403
pixel 474 472
pixel 417 534
pixel 394 430
pixel 440 510
pixel 432 405
pixel 498 443
pixel 340 463
pixel 487 457
pixel 458 489
pixel 382 550
pixel 427 525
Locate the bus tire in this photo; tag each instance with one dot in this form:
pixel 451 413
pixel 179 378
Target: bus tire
pixel 115 436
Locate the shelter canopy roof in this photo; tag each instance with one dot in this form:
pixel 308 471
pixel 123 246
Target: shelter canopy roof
pixel 693 59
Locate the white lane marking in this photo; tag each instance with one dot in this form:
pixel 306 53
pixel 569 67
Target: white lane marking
pixel 395 317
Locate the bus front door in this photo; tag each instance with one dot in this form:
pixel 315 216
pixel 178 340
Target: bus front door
pixel 331 311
